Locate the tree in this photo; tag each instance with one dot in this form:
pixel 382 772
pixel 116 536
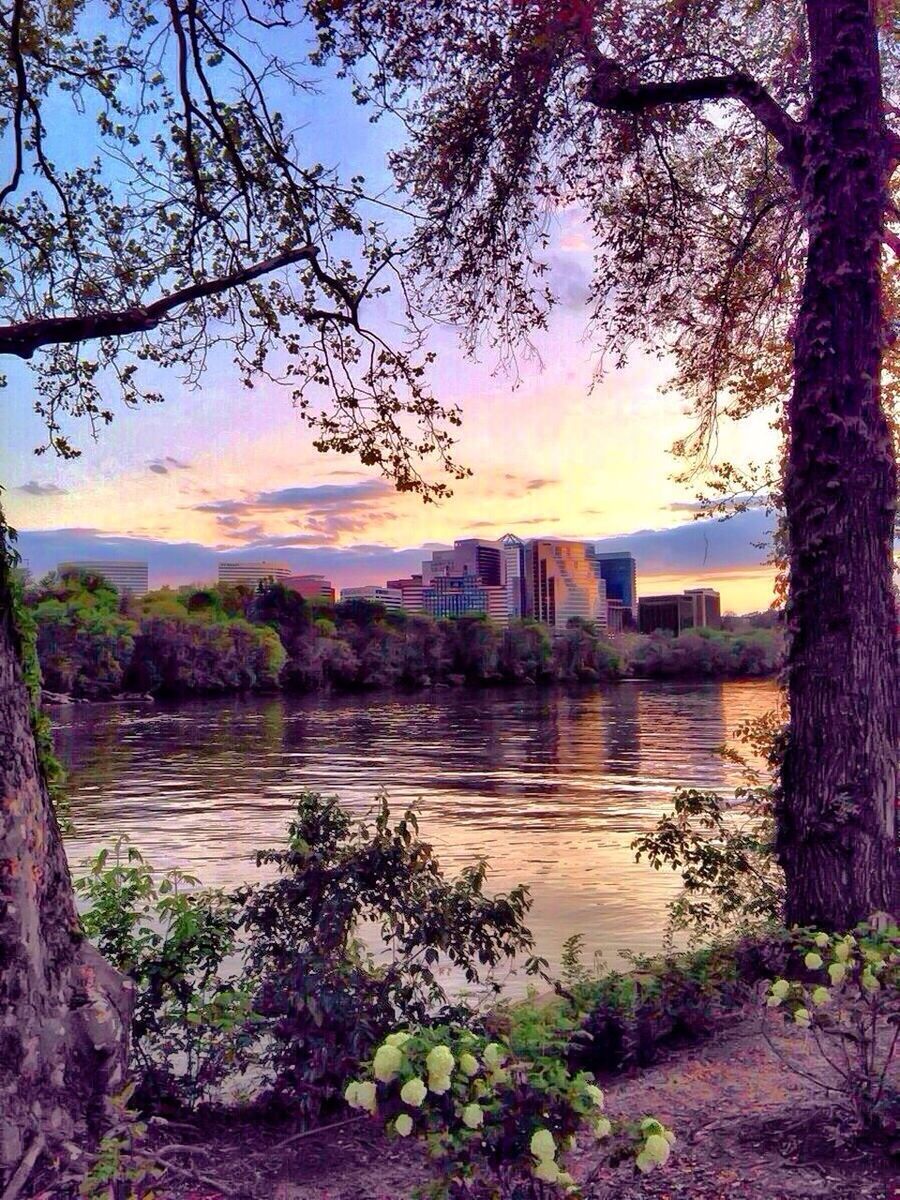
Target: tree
pixel 734 164
pixel 194 231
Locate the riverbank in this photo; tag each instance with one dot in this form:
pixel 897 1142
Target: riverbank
pixel 746 1128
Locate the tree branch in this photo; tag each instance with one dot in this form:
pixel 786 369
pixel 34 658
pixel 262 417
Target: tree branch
pixel 610 90
pixel 25 337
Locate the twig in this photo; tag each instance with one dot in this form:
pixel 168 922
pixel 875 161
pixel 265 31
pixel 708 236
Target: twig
pixel 186 1173
pixel 179 1148
pixel 24 1169
pixel 306 1133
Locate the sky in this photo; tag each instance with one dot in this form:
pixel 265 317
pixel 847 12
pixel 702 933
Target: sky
pixel 221 471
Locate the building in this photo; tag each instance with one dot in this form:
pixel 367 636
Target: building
pixel 672 613
pixel 311 587
pixel 619 572
pixel 514 565
pixel 410 590
pixel 130 578
pixel 390 598
pixel 469 556
pixel 618 616
pixel 707 607
pixel 251 573
pixel 449 596
pixel 562 582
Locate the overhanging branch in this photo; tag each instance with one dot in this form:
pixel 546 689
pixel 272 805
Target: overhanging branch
pixel 24 338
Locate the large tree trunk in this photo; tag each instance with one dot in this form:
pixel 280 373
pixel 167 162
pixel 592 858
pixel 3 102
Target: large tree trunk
pixel 64 1013
pixel 837 835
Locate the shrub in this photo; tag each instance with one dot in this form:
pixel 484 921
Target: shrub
pixel 845 992
pixel 498 1124
pixel 326 999
pixel 192 1024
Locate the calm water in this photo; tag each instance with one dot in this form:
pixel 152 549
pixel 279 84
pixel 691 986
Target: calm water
pixel 551 786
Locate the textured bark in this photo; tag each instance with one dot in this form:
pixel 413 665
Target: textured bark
pixel 837 815
pixel 64 1013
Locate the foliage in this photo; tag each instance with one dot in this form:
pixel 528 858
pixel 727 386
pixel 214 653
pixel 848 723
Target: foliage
pixel 498 1124
pixel 725 851
pixel 327 1001
pixel 845 992
pixel 706 653
pixel 192 1022
pixel 119 1168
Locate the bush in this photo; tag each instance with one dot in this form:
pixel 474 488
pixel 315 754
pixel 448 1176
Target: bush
pixel 498 1124
pixel 845 992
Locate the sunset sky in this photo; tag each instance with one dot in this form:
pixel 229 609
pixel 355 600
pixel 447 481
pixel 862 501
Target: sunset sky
pixel 223 469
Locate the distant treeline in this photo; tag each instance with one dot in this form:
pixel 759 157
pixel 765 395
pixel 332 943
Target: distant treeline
pixel 94 643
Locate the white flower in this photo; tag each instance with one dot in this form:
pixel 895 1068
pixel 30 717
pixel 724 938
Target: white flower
pixel 780 988
pixel 813 961
pixel 413 1092
pixel 602 1127
pixel 439 1084
pixel 397 1039
pixel 656 1148
pixel 774 1001
pixel 565 1180
pixel 367 1096
pixel 822 940
pixel 542 1145
pixel 594 1094
pixel 802 1017
pixel 820 995
pixel 837 971
pixel 651 1125
pixel 644 1163
pixel 547 1170
pixel 473 1116
pixel 386 1063
pixel 494 1054
pixel 403 1125
pixel 440 1061
pixel 468 1064
pixel 842 951
pixel 350 1094
pixel 869 982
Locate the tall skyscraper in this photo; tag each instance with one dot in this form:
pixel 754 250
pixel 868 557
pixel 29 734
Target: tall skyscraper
pixel 251 573
pixel 514 563
pixel 469 556
pixel 130 578
pixel 619 572
pixel 561 582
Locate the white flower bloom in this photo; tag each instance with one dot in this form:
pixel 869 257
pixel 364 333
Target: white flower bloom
pixel 594 1094
pixel 386 1063
pixel 644 1163
pixel 397 1039
pixel 403 1125
pixel 473 1116
pixel 367 1096
pixel 813 961
pixel 602 1127
pixel 842 951
pixel 565 1180
pixel 774 1001
pixel 651 1125
pixel 439 1084
pixel 822 940
pixel 468 1064
pixel 440 1061
pixel 820 996
pixel 802 1017
pixel 780 988
pixel 494 1054
pixel 869 982
pixel 350 1094
pixel 656 1148
pixel 837 971
pixel 547 1170
pixel 542 1145
pixel 413 1092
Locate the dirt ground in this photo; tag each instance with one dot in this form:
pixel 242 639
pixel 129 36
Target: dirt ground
pixel 747 1129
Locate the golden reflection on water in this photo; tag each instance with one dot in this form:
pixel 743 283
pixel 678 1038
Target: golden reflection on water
pixel 550 786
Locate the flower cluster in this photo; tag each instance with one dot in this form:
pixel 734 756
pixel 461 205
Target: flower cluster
pixel 484 1112
pixel 847 993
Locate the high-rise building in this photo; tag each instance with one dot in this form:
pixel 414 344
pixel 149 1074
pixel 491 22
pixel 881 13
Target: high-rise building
pixel 450 596
pixel 310 587
pixel 618 616
pixel 127 577
pixel 561 582
pixel 390 598
pixel 672 613
pixel 619 572
pixel 251 573
pixel 469 556
pixel 707 607
pixel 514 565
pixel 410 589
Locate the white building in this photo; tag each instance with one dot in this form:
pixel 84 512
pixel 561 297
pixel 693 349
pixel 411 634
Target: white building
pixel 250 573
pixel 127 577
pixel 391 598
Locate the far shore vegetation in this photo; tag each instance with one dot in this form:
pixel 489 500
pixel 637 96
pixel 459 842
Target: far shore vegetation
pixel 94 643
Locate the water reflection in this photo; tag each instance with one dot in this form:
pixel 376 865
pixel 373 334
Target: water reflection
pixel 551 786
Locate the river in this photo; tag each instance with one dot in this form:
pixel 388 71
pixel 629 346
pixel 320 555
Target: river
pixel 551 786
